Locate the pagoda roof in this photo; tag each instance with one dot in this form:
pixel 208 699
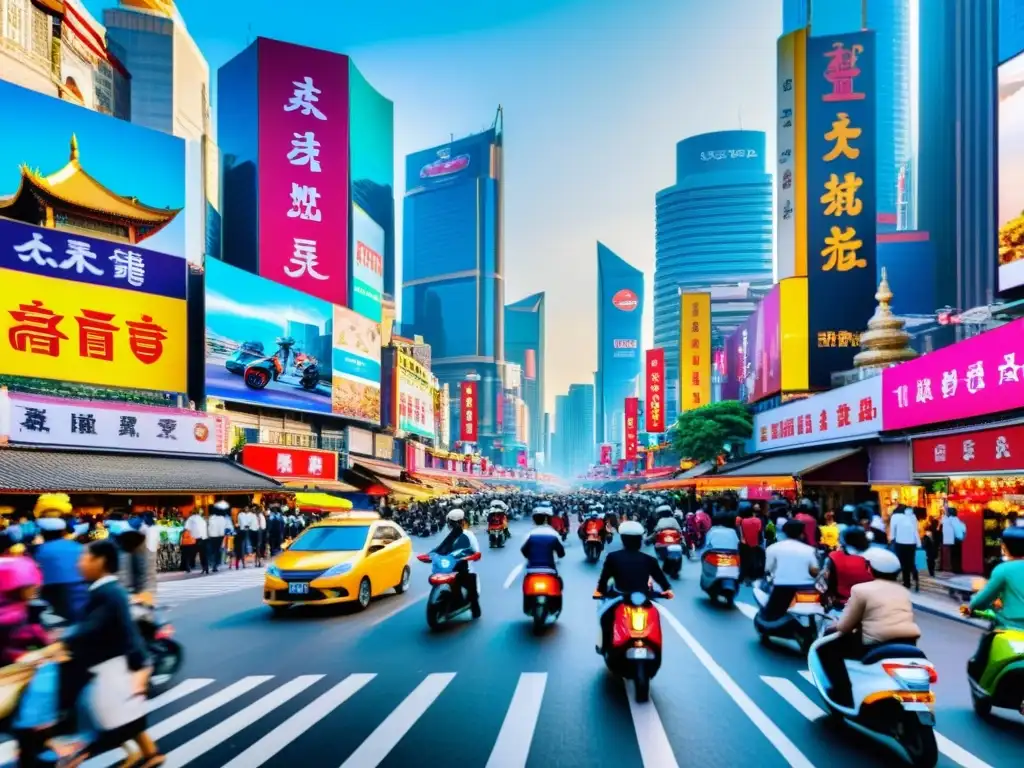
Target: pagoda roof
pixel 74 187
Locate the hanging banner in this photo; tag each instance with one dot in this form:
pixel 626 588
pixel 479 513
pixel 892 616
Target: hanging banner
pixel 654 378
pixel 606 453
pixel 632 417
pixel 469 411
pixel 694 350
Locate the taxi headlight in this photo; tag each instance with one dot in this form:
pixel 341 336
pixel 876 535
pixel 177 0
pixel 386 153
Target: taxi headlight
pixel 338 570
pixel 273 570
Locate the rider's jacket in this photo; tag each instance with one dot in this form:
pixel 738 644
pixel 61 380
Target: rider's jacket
pixel 845 571
pixel 632 572
pixel 541 546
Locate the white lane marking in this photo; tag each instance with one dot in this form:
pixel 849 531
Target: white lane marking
pixel 512 748
pixel 184 718
pixel 300 722
pixel 795 697
pixel 513 576
pixel 408 602
pixel 225 729
pixel 655 750
pixel 806 675
pixel 958 754
pixel 789 751
pixel 385 738
pixel 180 691
pixel 9 753
pixel 748 610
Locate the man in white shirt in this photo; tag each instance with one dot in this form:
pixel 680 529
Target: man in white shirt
pixel 260 536
pixel 217 527
pixel 905 534
pixel 791 565
pixel 195 526
pixel 953 534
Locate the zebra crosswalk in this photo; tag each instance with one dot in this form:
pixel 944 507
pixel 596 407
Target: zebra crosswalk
pixel 172 593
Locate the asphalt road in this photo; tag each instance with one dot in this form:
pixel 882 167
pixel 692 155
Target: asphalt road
pixel 357 690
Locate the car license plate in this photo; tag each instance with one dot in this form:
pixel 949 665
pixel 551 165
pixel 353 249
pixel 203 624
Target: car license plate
pixel 301 588
pixel 639 653
pixel 675 547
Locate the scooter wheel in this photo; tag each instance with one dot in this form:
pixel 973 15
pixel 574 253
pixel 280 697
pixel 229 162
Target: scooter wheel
pixel 167 661
pixel 539 620
pixel 433 616
pixel 642 684
pixel 982 704
pixel 919 742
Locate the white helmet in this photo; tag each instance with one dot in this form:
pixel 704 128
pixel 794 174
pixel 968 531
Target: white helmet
pixel 882 561
pixel 631 528
pixel 456 516
pixel 222 506
pixel 542 510
pixel 663 508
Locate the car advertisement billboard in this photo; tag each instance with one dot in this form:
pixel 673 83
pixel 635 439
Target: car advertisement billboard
pixel 841 183
pixel 355 391
pixel 304 168
pixel 467 158
pixel 85 168
pixel 1011 173
pixel 415 406
pixel 367 264
pixel 695 350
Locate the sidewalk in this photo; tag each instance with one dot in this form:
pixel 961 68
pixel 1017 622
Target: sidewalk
pixel 935 597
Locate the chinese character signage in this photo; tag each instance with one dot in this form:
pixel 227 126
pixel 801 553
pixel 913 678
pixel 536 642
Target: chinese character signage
pixel 655 390
pixel 367 264
pixel 37 420
pixel 632 416
pixel 415 406
pixel 985 451
pixel 977 377
pixel 303 168
pixel 287 463
pixel 606 453
pixel 791 163
pixel 853 412
pixel 694 350
pixel 55 253
pixel 841 184
pixel 469 416
pixel 90 334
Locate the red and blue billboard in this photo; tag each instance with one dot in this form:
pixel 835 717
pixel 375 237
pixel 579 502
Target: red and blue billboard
pixel 457 161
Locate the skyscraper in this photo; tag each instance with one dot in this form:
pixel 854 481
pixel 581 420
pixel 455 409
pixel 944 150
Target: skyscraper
pixel 620 307
pixel 713 227
pixel 1011 28
pixel 890 20
pixel 524 345
pixel 574 446
pixel 957 165
pixel 452 264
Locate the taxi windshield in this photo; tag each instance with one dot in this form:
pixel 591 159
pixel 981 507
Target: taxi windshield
pixel 332 538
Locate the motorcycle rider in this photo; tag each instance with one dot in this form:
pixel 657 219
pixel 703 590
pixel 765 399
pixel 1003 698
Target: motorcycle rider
pixel 845 568
pixel 791 565
pixel 631 571
pixel 666 522
pixel 462 540
pixel 1006 585
pixel 542 543
pixel 879 611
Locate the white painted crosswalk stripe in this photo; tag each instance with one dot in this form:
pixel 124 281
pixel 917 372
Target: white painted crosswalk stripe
pixel 748 610
pixel 211 585
pixel 512 748
pixel 655 750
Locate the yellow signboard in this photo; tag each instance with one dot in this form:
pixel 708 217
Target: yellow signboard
pixel 91 334
pixel 694 350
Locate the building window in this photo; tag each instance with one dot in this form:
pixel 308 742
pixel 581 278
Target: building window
pixel 40 34
pixel 14 22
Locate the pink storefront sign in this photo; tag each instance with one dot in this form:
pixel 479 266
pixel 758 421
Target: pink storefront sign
pixel 304 169
pixel 977 377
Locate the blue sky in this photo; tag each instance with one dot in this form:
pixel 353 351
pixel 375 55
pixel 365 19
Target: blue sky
pixel 596 94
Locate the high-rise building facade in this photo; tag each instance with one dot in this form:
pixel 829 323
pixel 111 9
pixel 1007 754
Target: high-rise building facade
pixel 957 159
pixel 573 442
pixel 620 307
pixel 1011 28
pixel 890 20
pixel 713 227
pixel 524 345
pixel 452 265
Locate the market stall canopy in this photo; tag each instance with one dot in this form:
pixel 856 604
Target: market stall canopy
pixel 321 501
pixel 680 481
pixel 380 468
pixel 793 465
pixel 34 471
pixel 320 485
pixel 409 491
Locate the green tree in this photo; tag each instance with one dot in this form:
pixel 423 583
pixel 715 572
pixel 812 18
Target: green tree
pixel 702 434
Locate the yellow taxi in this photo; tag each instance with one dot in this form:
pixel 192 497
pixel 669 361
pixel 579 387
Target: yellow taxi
pixel 349 557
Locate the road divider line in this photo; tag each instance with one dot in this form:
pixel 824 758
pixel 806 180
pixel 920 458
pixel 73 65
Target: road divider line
pixel 513 576
pixel 512 749
pixel 655 749
pixel 236 723
pixel 748 610
pixel 385 738
pixel 786 748
pixel 407 603
pixel 296 725
pixel 185 717
pixel 806 675
pixel 180 691
pixel 958 754
pixel 795 697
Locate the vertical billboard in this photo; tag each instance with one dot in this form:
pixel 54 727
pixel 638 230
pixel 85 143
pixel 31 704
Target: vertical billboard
pixel 841 182
pixel 355 363
pixel 694 350
pixel 303 168
pixel 632 419
pixel 791 163
pixel 415 397
pixel 654 377
pixel 606 454
pixel 469 411
pixel 367 264
pixel 1011 173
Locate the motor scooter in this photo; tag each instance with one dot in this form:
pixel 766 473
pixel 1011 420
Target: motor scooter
pixel 542 597
pixel 668 546
pixel 497 535
pixel 720 575
pixel 445 602
pixel 633 652
pixel 891 699
pixel 1001 683
pixel 593 540
pixel 800 622
pixel 164 651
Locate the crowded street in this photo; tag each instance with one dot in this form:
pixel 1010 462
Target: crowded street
pixel 331 687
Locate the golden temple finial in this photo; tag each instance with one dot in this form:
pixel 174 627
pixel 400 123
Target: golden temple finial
pixel 74 148
pixel 885 342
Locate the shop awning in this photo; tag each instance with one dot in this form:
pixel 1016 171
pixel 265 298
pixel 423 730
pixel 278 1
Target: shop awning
pixel 35 471
pixel 407 490
pixel 321 501
pixel 320 485
pixel 683 480
pixel 792 465
pixel 380 468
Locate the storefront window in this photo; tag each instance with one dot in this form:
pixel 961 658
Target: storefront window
pixel 990 499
